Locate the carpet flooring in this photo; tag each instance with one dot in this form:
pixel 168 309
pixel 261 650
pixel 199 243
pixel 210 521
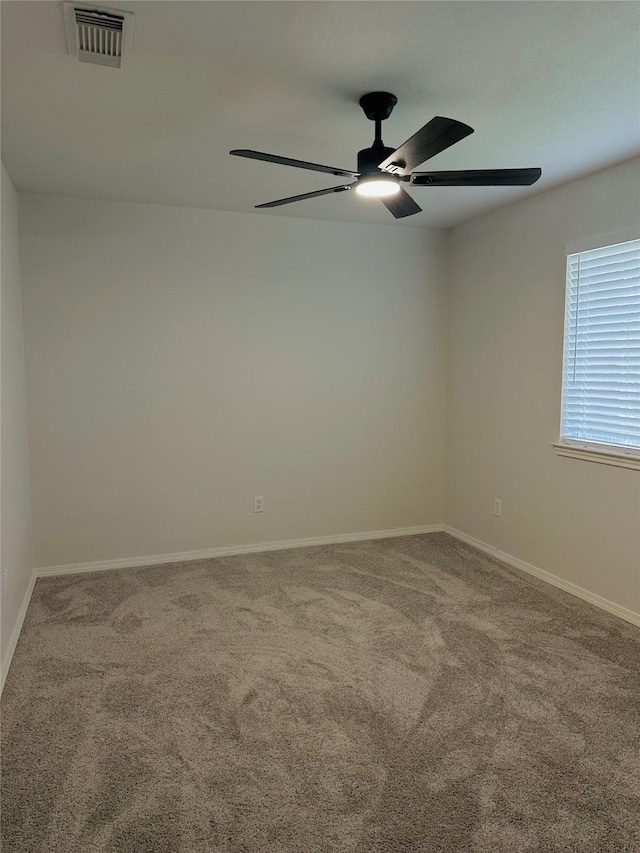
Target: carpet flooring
pixel 409 694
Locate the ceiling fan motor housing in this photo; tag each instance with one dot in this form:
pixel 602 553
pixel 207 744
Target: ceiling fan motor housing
pixel 370 158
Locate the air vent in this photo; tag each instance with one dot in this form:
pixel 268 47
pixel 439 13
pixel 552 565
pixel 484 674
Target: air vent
pixel 99 35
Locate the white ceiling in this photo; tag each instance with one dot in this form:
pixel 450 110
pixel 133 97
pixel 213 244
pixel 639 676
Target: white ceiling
pixel 550 84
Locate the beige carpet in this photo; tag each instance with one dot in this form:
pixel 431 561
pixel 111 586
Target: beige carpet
pixel 407 694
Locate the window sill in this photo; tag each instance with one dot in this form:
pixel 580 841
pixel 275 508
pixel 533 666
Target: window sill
pixel 604 457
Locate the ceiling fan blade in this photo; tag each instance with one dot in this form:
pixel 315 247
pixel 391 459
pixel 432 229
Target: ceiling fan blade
pixel 315 194
pixel 477 178
pixel 401 204
pixel 287 161
pixel 430 140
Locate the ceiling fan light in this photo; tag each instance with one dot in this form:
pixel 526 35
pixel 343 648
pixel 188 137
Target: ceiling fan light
pixel 378 186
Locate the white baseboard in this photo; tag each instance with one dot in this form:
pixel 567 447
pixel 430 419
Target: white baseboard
pixel 15 634
pixel 554 580
pixel 230 550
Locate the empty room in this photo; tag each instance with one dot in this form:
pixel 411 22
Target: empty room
pixel 320 427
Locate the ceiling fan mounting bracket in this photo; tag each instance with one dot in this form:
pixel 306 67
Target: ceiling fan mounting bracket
pixel 378 106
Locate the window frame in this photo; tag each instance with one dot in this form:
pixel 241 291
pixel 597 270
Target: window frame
pixel 607 454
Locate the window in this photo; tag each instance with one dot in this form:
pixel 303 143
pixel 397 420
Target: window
pixel 601 363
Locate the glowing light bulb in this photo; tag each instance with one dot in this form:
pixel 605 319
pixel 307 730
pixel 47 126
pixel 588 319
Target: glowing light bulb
pixel 378 186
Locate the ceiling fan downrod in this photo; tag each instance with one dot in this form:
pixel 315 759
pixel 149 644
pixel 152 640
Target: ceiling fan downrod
pixel 377 107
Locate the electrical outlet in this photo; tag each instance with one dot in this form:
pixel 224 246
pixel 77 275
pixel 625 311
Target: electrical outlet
pixel 497 507
pixel 258 504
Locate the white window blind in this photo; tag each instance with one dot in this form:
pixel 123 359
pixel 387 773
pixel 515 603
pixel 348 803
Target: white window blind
pixel 601 365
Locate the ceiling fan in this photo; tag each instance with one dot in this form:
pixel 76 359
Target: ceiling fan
pixel 382 169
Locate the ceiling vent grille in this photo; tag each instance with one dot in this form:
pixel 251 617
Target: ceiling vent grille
pixel 99 35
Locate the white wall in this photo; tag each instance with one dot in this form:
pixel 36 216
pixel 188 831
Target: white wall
pixel 182 361
pixel 578 520
pixel 16 555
